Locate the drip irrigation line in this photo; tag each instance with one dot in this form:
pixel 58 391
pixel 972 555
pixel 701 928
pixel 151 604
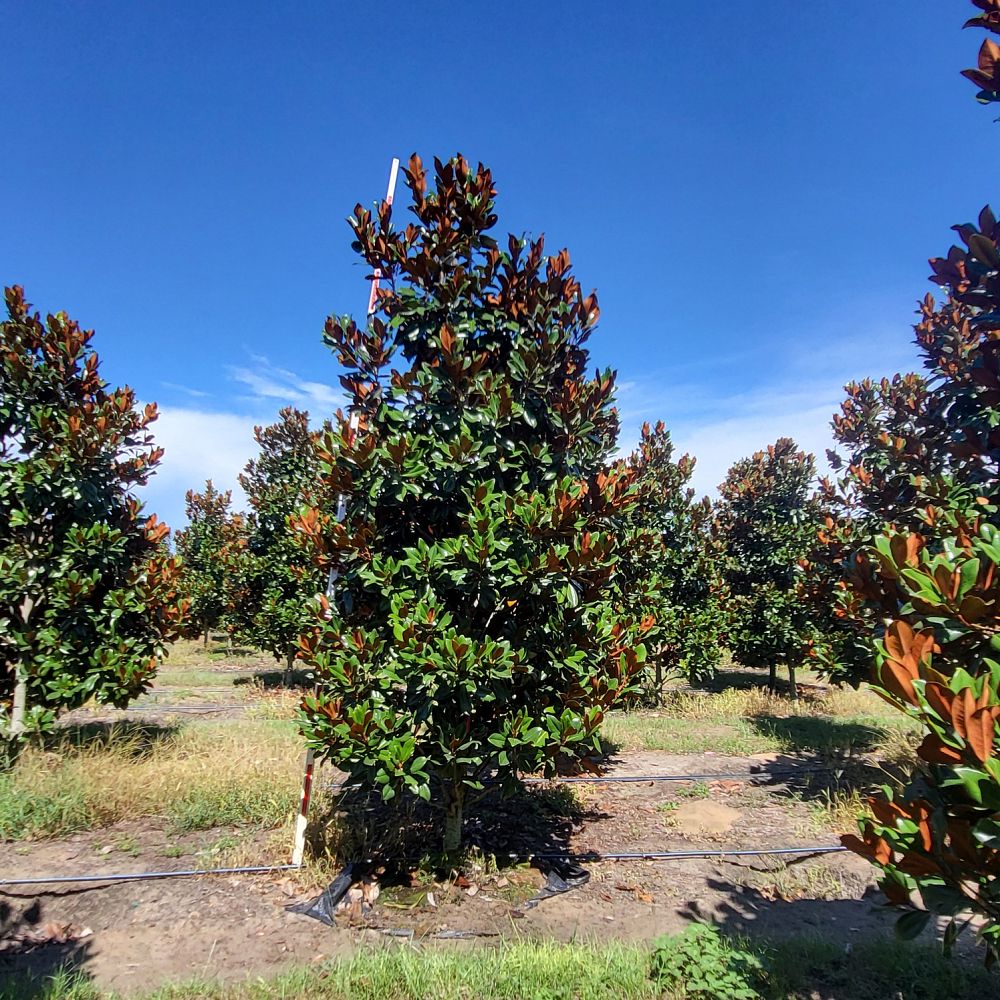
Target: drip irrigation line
pixel 683 855
pixel 139 876
pixel 640 778
pixel 531 855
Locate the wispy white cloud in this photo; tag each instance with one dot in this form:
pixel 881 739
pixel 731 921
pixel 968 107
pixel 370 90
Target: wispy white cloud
pixel 796 398
pixel 185 390
pixel 200 443
pixel 265 381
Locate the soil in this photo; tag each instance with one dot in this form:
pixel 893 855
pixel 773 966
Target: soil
pixel 132 936
pixel 129 936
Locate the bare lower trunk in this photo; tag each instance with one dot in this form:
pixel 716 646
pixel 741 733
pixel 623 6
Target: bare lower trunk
pixel 19 707
pixel 454 807
pixel 289 660
pixel 772 682
pixel 792 687
pixel 205 640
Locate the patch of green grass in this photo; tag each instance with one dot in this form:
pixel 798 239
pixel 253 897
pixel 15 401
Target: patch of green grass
pixel 744 721
pixel 793 969
pixel 875 969
pixel 193 678
pixel 694 790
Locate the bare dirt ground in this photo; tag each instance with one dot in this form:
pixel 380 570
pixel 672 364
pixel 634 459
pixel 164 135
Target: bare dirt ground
pixel 134 935
pixel 129 936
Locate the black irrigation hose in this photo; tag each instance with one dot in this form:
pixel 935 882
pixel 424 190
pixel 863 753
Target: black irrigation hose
pixel 139 876
pixel 789 772
pixel 541 856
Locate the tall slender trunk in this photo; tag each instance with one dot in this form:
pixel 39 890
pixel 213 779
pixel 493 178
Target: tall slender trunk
pixel 289 660
pixel 792 688
pixel 205 641
pixel 772 682
pixel 20 705
pixel 454 808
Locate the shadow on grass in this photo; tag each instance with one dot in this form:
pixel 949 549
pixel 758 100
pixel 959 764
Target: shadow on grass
pixel 34 951
pixel 130 737
pixel 844 949
pixel 819 733
pixel 269 679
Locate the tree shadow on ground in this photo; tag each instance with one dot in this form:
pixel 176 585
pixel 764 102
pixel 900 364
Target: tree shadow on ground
pixel 270 679
pixel 817 733
pixel 131 737
pixel 405 834
pixel 824 773
pixel 34 950
pixel 844 949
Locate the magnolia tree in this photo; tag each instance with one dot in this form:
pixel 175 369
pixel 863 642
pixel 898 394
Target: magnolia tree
pixel 934 576
pixel 670 572
pixel 208 548
pixel 87 587
pixel 272 581
pixel 767 519
pixel 472 632
pixel 929 584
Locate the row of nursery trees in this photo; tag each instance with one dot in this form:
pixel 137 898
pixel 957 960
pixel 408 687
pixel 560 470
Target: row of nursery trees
pixel 473 578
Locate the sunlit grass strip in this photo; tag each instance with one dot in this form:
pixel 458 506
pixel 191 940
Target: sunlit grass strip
pixel 797 968
pixel 751 721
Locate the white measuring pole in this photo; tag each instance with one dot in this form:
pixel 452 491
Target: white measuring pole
pixel 302 819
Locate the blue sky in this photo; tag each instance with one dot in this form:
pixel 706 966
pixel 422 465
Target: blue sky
pixel 753 189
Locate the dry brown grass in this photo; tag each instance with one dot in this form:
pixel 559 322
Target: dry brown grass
pixel 204 775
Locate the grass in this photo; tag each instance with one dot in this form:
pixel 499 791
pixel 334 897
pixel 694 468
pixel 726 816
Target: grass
pixel 744 721
pixel 798 969
pixel 201 776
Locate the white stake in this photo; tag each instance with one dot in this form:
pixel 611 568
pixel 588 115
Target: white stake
pixel 309 766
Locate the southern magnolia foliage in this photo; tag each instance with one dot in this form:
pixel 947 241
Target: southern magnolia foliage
pixel 87 587
pixel 472 629
pixel 208 547
pixel 272 582
pixel 670 571
pixel 935 577
pixel 767 519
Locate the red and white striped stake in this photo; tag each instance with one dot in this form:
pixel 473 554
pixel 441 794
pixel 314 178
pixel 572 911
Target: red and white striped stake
pixel 302 820
pixel 389 192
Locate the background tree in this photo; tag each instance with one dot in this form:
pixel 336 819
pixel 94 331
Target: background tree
pixel 87 589
pixel 273 582
pixel 671 571
pixel 472 632
pixel 203 546
pixel 767 520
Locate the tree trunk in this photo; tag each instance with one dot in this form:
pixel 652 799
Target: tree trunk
pixel 289 660
pixel 792 688
pixel 205 642
pixel 19 707
pixel 772 683
pixel 454 807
